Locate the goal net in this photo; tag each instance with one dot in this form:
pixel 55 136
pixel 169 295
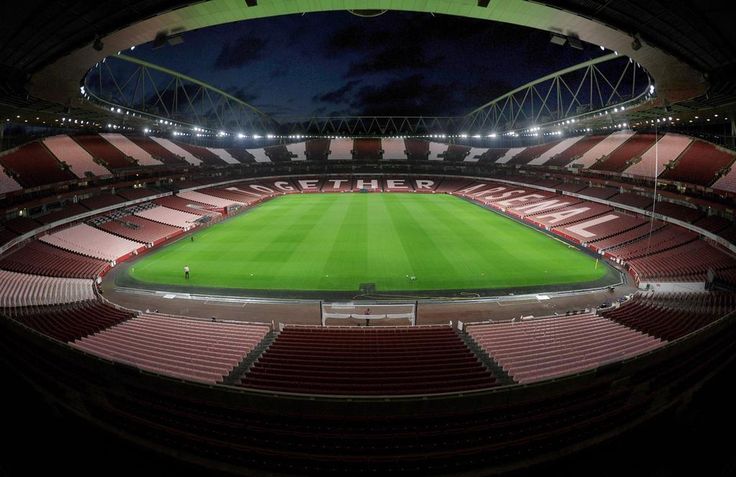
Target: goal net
pixel 366 313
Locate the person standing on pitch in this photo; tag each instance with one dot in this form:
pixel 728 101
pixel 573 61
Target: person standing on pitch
pixel 186 272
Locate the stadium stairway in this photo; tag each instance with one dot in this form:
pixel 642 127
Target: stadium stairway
pixel 502 377
pixel 239 371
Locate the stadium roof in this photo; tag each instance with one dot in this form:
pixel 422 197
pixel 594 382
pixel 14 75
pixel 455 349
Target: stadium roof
pixel 47 47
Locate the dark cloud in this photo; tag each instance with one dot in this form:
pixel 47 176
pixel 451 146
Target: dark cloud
pixel 273 109
pixel 339 95
pixel 347 39
pixel 243 94
pixel 428 28
pixel 245 50
pixel 297 30
pixel 324 111
pixel 278 71
pixel 415 30
pixel 340 112
pixel 321 111
pixel 395 58
pixel 410 95
pixel 478 93
pixel 414 95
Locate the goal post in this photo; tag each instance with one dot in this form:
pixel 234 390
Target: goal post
pixel 343 313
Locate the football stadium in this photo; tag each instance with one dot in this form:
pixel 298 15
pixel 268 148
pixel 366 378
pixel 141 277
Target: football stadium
pixel 274 238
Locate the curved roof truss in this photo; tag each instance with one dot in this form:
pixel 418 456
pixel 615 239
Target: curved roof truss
pixel 675 80
pixel 143 88
pixel 580 92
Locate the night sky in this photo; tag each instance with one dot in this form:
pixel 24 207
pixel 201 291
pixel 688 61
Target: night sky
pixel 335 63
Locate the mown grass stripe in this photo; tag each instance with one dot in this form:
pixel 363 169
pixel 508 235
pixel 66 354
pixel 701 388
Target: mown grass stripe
pixel 335 242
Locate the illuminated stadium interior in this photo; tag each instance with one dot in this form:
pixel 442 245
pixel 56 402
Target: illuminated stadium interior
pixel 447 238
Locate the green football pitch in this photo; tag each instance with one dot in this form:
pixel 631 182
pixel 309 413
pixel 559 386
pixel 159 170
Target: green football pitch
pixel 336 242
